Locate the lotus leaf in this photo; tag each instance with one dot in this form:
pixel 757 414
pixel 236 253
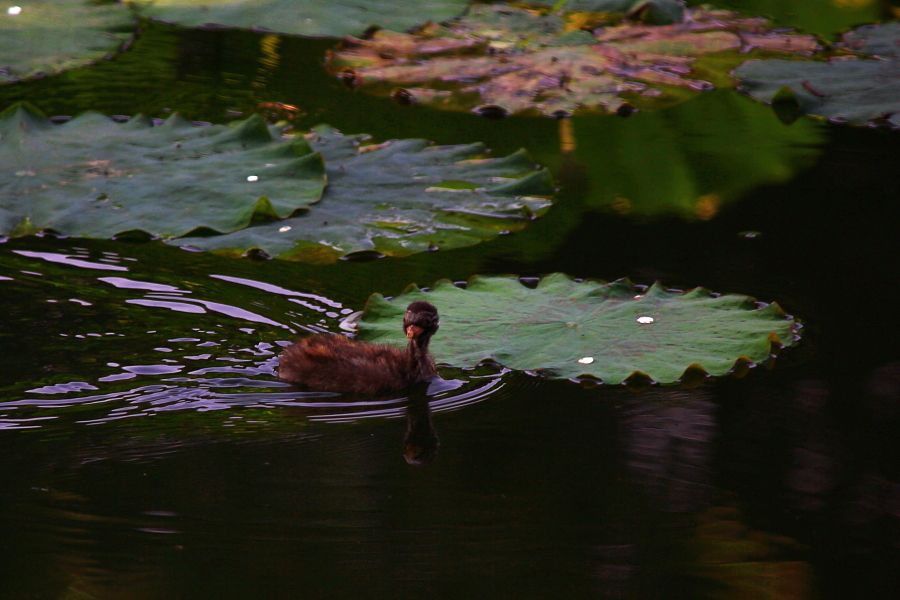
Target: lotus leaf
pixel 845 88
pixel 398 198
pixel 94 177
pixel 521 62
pixel 567 329
pixel 48 36
pixel 327 19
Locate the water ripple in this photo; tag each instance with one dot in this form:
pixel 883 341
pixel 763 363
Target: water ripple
pixel 182 345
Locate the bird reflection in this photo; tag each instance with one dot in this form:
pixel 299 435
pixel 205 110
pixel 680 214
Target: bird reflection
pixel 420 443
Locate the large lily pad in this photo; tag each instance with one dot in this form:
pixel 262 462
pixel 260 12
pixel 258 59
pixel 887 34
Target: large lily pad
pixel 567 329
pixel 526 62
pixel 333 18
pixel 240 187
pixel 401 197
pixel 846 88
pixel 94 177
pixel 49 36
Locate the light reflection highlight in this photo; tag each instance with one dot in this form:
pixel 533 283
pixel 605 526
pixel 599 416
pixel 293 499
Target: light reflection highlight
pixel 69 259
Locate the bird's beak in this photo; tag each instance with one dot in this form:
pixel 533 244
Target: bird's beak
pixel 413 331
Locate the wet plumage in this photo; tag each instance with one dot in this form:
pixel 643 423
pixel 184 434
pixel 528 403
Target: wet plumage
pixel 335 363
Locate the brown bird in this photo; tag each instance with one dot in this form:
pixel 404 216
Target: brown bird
pixel 334 363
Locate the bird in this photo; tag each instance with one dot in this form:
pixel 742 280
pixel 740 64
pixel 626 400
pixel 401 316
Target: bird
pixel 335 363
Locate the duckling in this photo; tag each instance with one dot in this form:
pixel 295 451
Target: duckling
pixel 335 363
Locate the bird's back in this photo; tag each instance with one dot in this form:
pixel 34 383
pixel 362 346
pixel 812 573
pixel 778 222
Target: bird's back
pixel 334 363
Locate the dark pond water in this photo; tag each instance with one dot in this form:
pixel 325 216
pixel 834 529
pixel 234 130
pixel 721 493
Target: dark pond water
pixel 146 450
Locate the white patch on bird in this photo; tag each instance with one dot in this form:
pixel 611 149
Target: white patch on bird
pixel 644 320
pixel 586 360
pixel 283 229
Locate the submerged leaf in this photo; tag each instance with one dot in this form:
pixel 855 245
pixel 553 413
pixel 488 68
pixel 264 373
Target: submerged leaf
pixel 846 88
pixel 49 36
pixel 525 62
pixel 333 18
pixel 609 331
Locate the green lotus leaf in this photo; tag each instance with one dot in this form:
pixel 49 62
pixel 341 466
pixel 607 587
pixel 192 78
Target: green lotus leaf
pixel 846 88
pixel 520 61
pixel 49 36
pixel 611 331
pixel 398 198
pixel 875 40
pixel 239 187
pixel 94 177
pixel 327 19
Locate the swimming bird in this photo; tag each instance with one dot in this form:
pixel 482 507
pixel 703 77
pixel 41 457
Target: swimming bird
pixel 335 363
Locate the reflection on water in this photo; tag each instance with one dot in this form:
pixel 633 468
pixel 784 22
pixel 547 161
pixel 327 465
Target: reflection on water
pixel 420 444
pixel 825 471
pixel 691 159
pixel 199 338
pixel 669 435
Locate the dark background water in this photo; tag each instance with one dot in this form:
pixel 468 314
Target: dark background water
pixel 148 453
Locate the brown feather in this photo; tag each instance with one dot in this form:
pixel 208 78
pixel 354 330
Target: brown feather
pixel 334 363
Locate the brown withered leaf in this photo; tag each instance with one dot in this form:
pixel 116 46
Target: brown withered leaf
pixel 526 62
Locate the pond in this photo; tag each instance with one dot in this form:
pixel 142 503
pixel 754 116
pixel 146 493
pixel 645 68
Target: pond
pixel 148 451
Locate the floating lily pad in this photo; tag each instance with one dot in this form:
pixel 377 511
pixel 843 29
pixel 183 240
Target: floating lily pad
pixel 609 331
pixel 49 36
pixel 333 18
pixel 94 177
pixel 519 61
pixel 401 197
pixel 846 88
pixel 241 187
